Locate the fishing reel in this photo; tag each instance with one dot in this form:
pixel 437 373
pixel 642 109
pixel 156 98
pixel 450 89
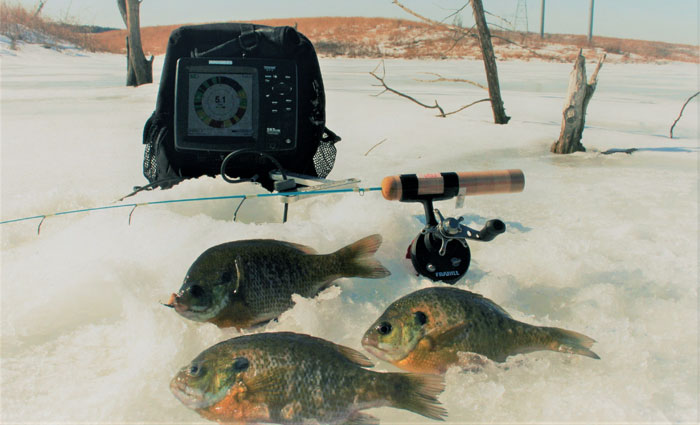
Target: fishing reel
pixel 440 252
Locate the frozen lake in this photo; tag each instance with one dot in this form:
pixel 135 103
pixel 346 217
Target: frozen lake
pixel 605 245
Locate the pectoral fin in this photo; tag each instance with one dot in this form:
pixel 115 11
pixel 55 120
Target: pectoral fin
pixel 355 356
pixel 349 353
pixel 448 337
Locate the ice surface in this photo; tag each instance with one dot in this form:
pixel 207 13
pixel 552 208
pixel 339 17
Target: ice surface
pixel 606 245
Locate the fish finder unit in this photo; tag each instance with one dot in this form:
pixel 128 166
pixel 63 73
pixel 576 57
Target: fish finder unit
pixel 222 105
pixel 250 93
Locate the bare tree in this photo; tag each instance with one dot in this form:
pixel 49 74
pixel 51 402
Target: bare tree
pixel 139 70
pixel 499 112
pixel 484 35
pixel 574 114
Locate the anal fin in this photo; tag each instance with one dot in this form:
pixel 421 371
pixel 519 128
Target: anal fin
pixel 357 418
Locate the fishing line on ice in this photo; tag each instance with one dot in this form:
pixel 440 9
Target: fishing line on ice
pixel 133 206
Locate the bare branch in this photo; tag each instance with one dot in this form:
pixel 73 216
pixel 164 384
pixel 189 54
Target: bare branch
pixel 456 12
pixel 486 12
pixel 465 33
pixel 488 99
pixel 370 149
pixel 440 78
pixel 423 18
pixel 387 88
pixel 681 114
pixel 39 7
pixel 533 51
pixel 437 106
pixel 459 38
pixel 491 24
pixel 594 76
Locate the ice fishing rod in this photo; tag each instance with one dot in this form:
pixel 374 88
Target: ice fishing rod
pixel 440 251
pixel 133 205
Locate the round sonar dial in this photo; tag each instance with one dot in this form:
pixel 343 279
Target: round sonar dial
pixel 220 102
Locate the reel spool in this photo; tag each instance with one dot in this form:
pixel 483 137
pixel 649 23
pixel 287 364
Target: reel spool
pixel 440 251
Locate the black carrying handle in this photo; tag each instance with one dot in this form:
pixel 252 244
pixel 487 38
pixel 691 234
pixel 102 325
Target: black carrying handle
pixel 250 39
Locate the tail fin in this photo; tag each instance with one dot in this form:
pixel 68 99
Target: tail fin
pixel 357 259
pixel 418 393
pixel 570 342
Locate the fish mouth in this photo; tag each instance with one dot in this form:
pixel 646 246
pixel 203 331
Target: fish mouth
pixel 177 305
pixel 372 345
pixel 171 301
pixel 192 397
pixel 383 351
pixel 376 352
pixel 174 303
pixel 187 395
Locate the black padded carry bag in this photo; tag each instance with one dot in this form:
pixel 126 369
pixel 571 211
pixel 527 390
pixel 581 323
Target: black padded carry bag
pixel 315 152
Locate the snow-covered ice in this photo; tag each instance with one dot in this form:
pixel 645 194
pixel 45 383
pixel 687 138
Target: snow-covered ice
pixel 606 245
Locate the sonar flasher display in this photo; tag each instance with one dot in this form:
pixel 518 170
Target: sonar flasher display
pixel 227 104
pixel 220 104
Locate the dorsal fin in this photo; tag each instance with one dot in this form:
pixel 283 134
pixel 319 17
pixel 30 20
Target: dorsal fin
pixel 348 353
pixel 303 248
pixel 489 304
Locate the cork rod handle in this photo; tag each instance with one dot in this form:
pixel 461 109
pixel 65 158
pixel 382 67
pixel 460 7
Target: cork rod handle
pixel 412 187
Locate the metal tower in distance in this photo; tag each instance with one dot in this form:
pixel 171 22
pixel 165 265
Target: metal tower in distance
pixel 520 21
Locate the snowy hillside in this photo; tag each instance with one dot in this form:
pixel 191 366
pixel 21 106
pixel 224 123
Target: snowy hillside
pixel 606 245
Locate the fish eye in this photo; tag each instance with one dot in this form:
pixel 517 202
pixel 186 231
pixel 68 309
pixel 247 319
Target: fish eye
pixel 196 291
pixel 420 318
pixel 241 364
pixel 194 370
pixel 384 328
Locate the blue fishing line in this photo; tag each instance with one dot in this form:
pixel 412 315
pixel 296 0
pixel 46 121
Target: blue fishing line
pixel 361 191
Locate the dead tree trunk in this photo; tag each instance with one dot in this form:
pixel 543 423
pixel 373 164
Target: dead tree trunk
pixel 574 115
pixel 499 112
pixel 139 70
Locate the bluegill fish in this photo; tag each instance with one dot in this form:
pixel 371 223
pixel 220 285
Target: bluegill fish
pixel 245 283
pixel 290 378
pixel 432 329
